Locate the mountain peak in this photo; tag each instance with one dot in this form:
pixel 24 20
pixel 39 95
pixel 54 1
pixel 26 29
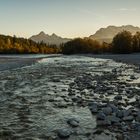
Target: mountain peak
pixel 54 35
pixel 42 33
pixel 49 39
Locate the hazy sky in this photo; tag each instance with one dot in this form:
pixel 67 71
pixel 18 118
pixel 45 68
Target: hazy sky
pixel 67 18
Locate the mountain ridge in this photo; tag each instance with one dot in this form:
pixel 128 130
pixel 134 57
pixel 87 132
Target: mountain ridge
pixel 107 34
pixel 49 39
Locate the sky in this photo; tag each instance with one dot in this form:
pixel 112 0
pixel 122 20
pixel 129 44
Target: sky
pixel 67 18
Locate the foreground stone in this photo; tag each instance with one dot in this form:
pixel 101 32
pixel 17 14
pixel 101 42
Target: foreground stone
pixel 64 133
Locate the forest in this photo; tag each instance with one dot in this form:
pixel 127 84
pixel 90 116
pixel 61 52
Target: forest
pixel 14 45
pixel 124 42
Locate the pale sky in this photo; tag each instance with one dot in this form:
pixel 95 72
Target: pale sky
pixel 67 18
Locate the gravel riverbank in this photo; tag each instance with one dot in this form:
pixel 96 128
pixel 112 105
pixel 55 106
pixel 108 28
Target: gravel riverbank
pixel 126 58
pixel 70 97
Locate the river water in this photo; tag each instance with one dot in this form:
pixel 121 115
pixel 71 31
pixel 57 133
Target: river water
pixel 35 102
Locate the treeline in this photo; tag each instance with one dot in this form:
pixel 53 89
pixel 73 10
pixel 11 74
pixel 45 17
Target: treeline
pixel 14 45
pixel 123 42
pixel 86 45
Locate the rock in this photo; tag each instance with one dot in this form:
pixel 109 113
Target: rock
pixel 101 116
pixel 103 122
pixel 118 97
pixel 93 107
pixel 52 137
pixel 138 116
pixel 137 98
pixel 104 136
pixel 58 99
pixel 107 110
pixel 62 105
pixel 71 93
pixel 127 112
pixel 125 128
pixel 102 105
pixel 119 137
pixel 136 126
pixel 132 77
pixel 128 118
pixel 114 70
pixel 102 96
pixel 74 99
pixel 126 137
pixel 67 99
pixel 106 100
pixel 64 90
pixel 112 119
pixel 64 133
pixel 72 84
pixel 114 108
pixel 109 92
pixel 94 110
pixel 107 132
pixel 6 134
pixel 56 80
pixel 98 131
pixel 51 100
pixel 107 122
pixel 73 122
pixel 119 114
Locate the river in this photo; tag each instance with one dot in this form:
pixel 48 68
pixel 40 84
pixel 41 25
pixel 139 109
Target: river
pixel 37 101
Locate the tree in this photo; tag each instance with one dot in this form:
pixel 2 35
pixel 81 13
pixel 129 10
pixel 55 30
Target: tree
pixel 136 42
pixel 122 42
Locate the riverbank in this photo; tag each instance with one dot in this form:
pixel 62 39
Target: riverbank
pixel 125 58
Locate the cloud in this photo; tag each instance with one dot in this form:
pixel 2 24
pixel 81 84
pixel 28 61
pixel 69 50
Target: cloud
pixel 126 9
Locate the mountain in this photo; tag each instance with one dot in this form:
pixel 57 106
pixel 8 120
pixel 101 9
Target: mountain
pixel 107 34
pixel 49 39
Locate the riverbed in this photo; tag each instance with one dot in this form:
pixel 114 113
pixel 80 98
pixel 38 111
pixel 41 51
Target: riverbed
pixel 70 97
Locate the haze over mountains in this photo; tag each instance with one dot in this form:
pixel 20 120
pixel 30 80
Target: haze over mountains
pixel 49 39
pixel 107 34
pixel 102 35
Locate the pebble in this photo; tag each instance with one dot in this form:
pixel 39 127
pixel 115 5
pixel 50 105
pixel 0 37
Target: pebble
pixel 101 116
pixel 107 110
pixel 128 118
pixel 64 133
pixel 73 122
pixel 118 97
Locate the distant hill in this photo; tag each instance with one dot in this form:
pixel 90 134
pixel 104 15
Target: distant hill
pixel 49 39
pixel 107 34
